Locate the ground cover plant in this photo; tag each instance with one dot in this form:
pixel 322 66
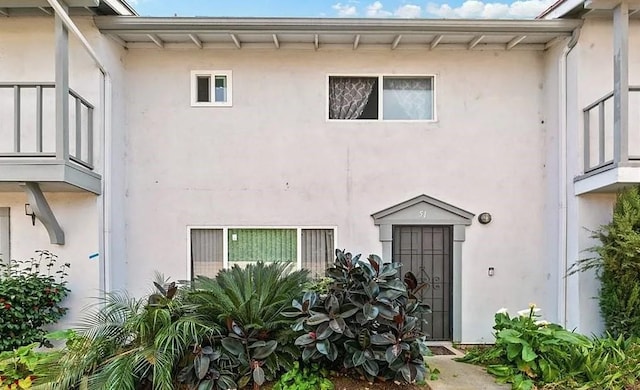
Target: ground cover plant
pixel 31 296
pixel 367 323
pixel 530 353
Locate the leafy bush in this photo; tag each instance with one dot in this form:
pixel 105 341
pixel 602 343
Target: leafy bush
pixel 618 266
pixel 31 292
pixel 308 377
pixel 529 353
pixel 128 343
pixel 22 368
pixel 247 302
pixel 366 323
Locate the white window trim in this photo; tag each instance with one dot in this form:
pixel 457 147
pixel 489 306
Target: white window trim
pixel 225 241
pixel 380 103
pixel 211 73
pixel 5 237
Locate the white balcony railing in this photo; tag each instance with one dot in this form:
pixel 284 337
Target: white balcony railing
pixel 31 133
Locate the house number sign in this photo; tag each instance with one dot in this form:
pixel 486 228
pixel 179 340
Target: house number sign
pixel 423 214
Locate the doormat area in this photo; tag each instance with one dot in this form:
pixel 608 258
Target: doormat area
pixel 440 350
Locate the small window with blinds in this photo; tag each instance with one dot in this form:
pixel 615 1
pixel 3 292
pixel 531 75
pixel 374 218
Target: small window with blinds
pixel 307 248
pixel 207 256
pixel 317 247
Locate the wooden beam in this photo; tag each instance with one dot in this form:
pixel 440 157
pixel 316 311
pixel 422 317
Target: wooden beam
pixel 4 12
pixel 396 42
pixel 196 40
pixel 356 41
pixel 156 39
pixel 46 11
pixel 436 41
pixel 316 42
pixel 276 42
pixel 515 41
pixel 474 42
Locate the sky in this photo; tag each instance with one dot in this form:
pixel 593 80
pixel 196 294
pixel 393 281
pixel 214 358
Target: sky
pixel 487 9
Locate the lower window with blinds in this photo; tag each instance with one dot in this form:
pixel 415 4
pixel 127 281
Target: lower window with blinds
pixel 314 246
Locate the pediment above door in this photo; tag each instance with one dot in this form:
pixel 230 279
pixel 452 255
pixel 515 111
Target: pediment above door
pixel 423 210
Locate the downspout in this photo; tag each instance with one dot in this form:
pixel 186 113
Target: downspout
pixel 562 167
pixel 105 223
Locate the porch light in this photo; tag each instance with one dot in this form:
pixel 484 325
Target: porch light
pixel 491 271
pixel 28 211
pixel 484 218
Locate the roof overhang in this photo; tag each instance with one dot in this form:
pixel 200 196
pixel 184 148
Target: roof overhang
pixel 88 7
pixel 178 32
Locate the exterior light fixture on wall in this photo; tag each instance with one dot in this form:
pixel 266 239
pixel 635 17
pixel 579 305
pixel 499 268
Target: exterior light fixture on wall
pixel 491 271
pixel 484 218
pixel 28 211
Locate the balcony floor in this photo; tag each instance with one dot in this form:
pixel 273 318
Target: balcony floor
pixel 609 179
pixel 53 175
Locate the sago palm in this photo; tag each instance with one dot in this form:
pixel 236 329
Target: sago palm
pixel 129 344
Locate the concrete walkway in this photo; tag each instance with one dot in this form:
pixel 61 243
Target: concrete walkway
pixel 460 376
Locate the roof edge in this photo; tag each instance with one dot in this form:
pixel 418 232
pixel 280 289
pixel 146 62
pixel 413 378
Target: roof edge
pixel 111 23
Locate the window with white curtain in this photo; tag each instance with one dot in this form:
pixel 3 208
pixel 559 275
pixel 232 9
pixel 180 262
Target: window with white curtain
pixel 212 249
pixel 406 98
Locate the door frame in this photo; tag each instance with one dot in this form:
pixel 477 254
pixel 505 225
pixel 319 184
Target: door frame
pixel 425 210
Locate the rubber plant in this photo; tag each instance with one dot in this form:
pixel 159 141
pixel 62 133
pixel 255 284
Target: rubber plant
pixel 368 323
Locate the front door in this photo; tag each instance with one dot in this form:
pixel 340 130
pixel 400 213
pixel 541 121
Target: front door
pixel 427 252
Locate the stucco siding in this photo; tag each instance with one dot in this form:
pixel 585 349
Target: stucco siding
pixel 273 159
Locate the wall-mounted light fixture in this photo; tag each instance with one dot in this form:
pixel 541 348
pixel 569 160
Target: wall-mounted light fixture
pixel 29 211
pixel 484 218
pixel 491 271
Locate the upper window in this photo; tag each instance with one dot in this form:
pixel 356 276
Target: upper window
pixel 381 97
pixel 210 88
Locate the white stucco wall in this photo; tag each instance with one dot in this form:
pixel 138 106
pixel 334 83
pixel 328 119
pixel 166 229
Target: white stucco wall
pixel 30 58
pixel 590 68
pixel 273 159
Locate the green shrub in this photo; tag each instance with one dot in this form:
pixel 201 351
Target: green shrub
pixel 31 292
pixel 618 266
pixel 127 343
pixel 529 351
pixel 247 302
pixel 24 367
pixel 308 377
pixel 367 323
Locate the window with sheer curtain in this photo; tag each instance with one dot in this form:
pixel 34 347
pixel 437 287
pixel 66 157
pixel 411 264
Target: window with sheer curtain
pixel 409 98
pixel 249 245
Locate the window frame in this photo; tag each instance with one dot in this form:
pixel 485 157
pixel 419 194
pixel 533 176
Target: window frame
pixel 212 74
pixel 225 240
pixel 380 77
pixel 5 237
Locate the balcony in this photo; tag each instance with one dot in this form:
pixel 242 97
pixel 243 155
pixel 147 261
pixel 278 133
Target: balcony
pixel 611 159
pixel 36 149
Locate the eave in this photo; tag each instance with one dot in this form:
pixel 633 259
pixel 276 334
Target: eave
pixel 317 33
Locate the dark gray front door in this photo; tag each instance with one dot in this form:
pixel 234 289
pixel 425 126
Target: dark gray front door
pixel 427 252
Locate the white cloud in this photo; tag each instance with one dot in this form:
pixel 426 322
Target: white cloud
pixel 375 10
pixel 345 10
pixel 475 9
pixel 408 11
